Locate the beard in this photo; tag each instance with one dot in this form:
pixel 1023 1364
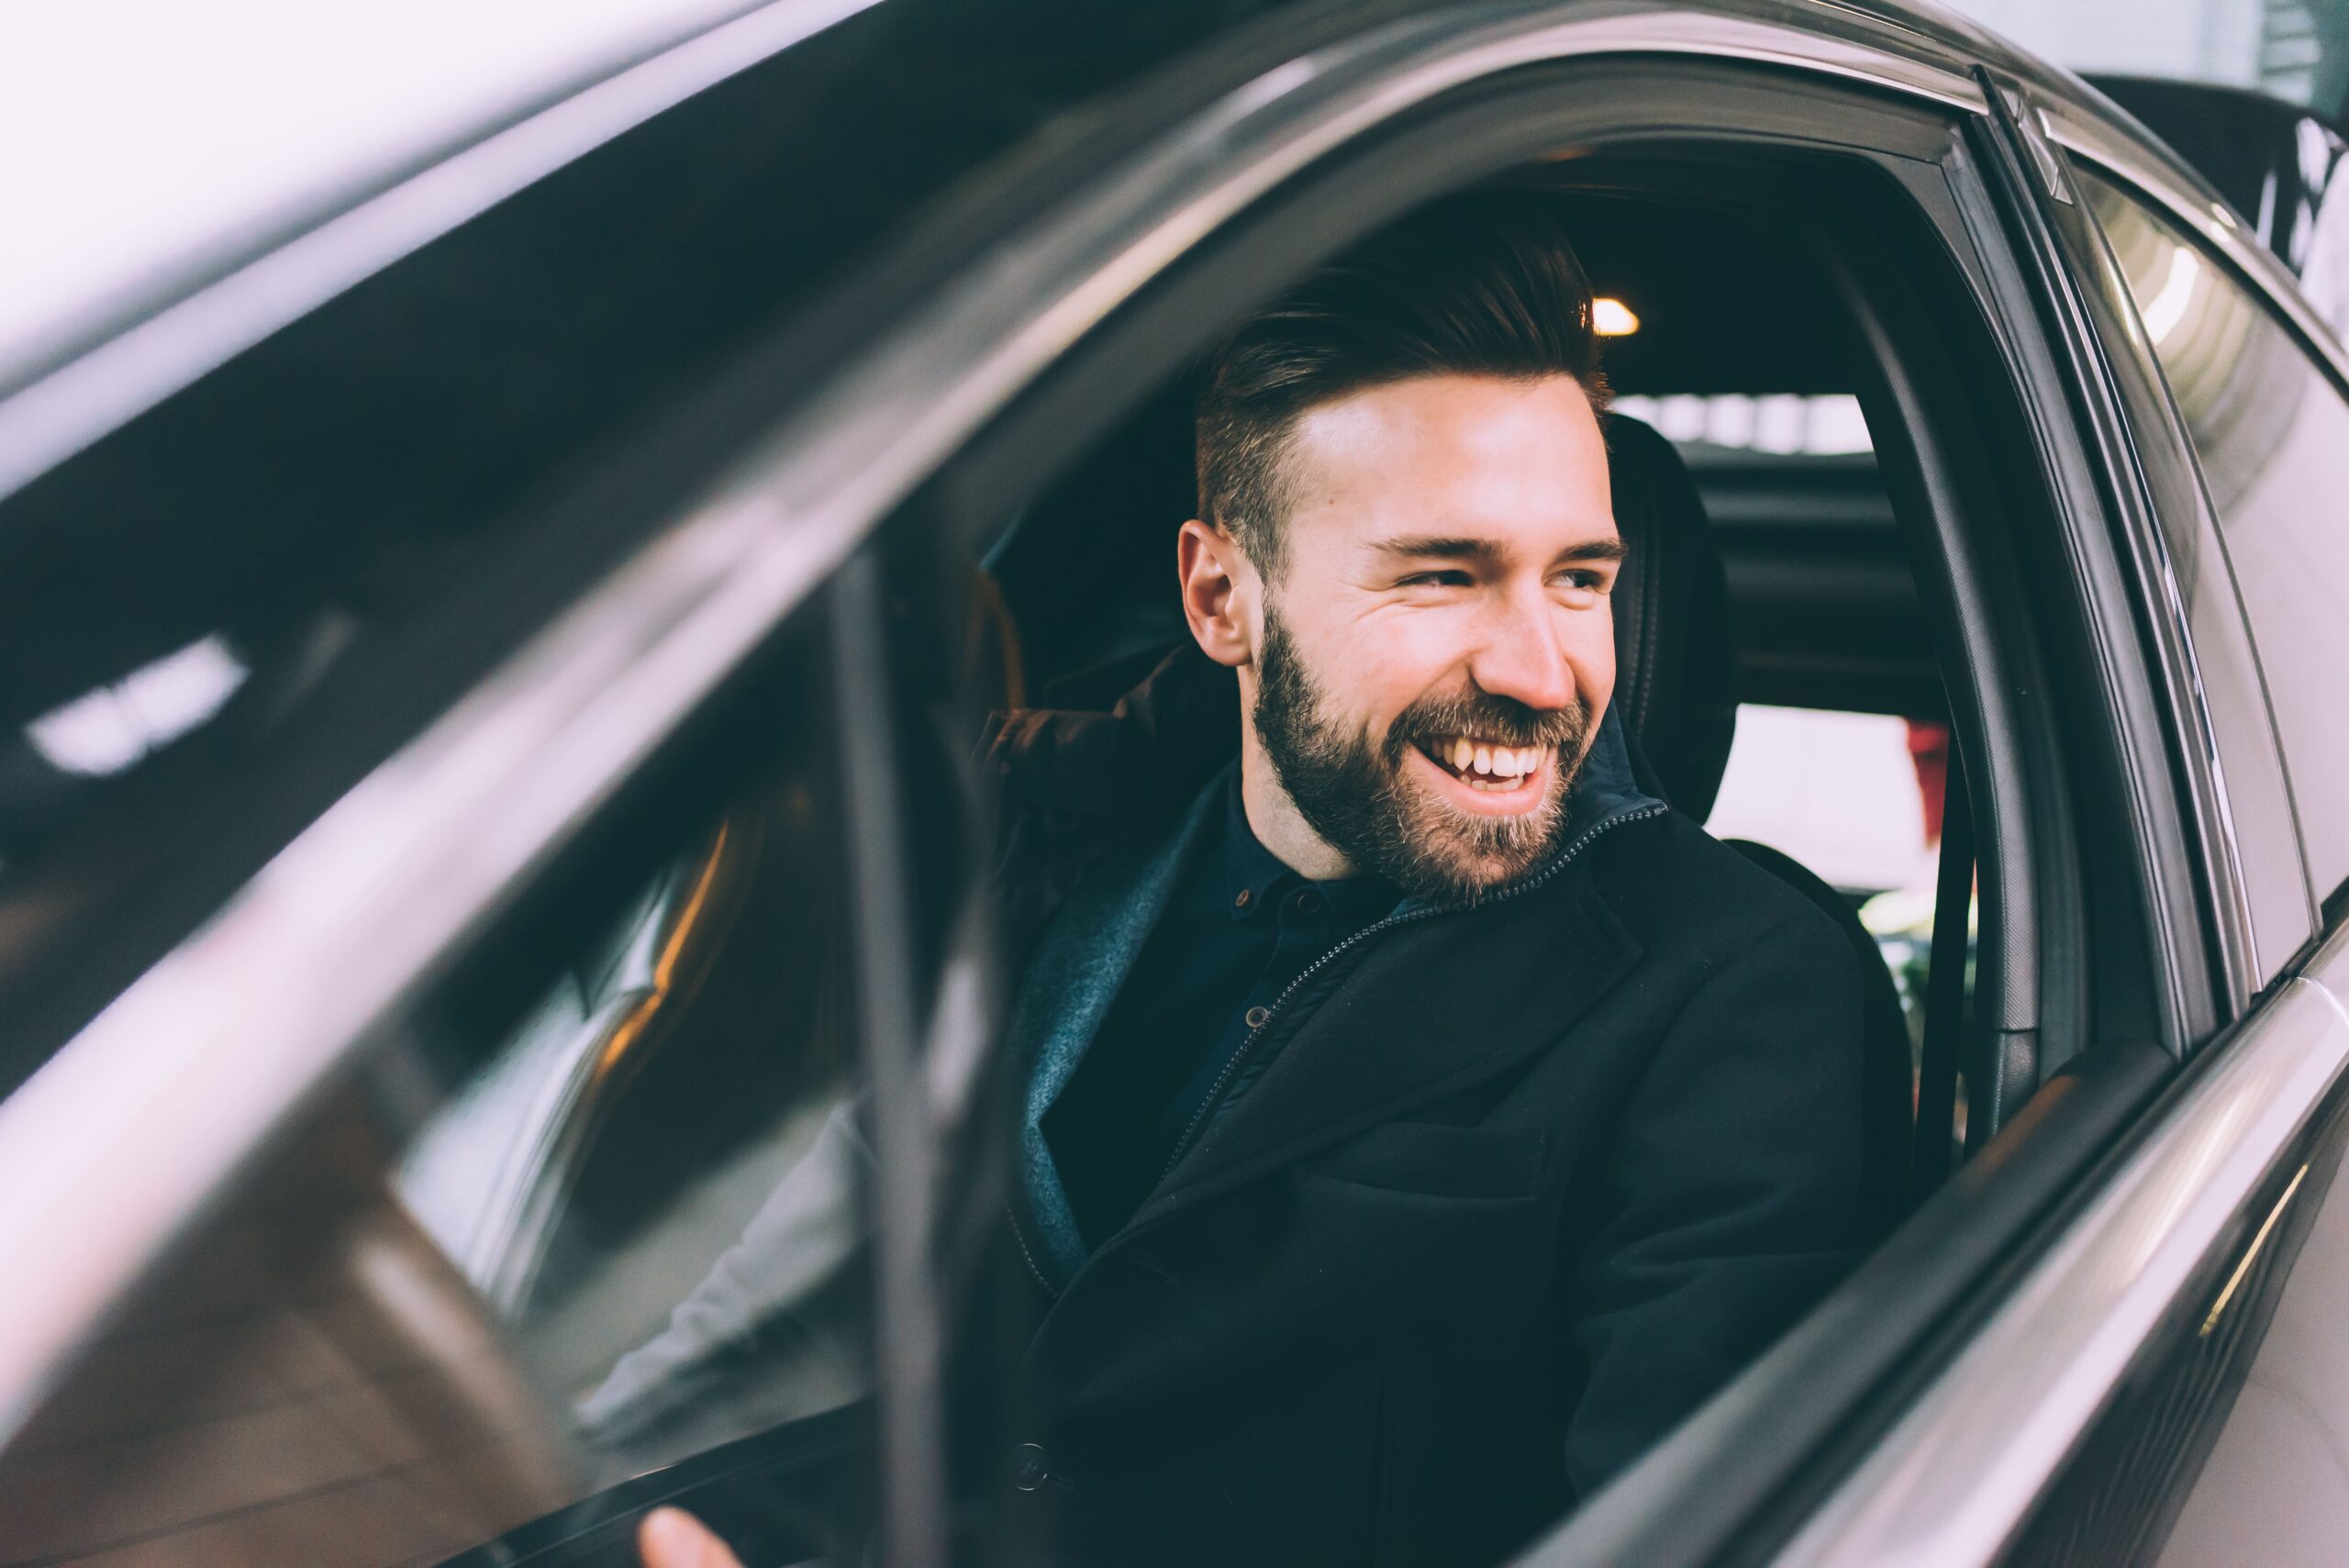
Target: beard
pixel 1354 793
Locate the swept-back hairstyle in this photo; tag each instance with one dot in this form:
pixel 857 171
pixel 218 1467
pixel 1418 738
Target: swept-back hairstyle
pixel 1481 284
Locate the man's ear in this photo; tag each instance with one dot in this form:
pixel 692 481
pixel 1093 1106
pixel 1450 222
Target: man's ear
pixel 1220 587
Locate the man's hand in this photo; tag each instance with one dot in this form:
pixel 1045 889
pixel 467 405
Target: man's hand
pixel 672 1538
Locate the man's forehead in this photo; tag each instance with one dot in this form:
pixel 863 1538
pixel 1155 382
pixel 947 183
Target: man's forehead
pixel 1519 465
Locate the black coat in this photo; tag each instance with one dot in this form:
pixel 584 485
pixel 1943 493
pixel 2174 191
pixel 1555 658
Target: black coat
pixel 1520 1186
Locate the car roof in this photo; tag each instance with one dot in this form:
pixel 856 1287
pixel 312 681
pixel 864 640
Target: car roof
pixel 180 147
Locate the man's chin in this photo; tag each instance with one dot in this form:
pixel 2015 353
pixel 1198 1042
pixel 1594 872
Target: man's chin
pixel 1461 856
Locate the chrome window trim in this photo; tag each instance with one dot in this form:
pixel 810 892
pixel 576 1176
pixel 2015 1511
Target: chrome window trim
pixel 72 404
pixel 2253 959
pixel 290 980
pixel 1960 1471
pixel 2203 212
pixel 2156 177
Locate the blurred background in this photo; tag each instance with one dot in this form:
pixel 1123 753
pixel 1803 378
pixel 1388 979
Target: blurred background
pixel 2294 49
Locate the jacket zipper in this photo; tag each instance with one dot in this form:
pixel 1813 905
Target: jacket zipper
pixel 1223 1079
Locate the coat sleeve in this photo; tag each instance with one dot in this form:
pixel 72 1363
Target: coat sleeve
pixel 1728 1200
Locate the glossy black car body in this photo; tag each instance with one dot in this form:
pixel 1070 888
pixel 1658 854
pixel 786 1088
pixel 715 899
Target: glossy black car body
pixel 546 492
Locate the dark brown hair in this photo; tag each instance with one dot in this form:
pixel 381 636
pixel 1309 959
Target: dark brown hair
pixel 1483 283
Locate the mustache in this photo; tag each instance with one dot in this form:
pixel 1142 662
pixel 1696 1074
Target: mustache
pixel 1502 719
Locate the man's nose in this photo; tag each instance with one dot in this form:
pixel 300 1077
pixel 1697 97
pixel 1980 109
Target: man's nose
pixel 1522 657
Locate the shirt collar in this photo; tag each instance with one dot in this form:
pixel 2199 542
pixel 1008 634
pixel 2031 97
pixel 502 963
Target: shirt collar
pixel 1256 879
pixel 1253 877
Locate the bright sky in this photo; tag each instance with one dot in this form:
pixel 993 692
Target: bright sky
pixel 141 132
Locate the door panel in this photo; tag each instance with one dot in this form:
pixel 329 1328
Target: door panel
pixel 2275 1487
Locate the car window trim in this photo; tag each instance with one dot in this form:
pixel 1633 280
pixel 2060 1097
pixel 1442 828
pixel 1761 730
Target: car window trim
pixel 377 893
pixel 2227 648
pixel 2182 194
pixel 2194 892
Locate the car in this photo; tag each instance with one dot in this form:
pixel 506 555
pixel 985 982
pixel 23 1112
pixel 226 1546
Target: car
pixel 499 986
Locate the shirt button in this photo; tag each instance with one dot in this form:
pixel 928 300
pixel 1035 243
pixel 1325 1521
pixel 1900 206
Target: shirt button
pixel 1257 1016
pixel 1240 900
pixel 1309 903
pixel 1031 1468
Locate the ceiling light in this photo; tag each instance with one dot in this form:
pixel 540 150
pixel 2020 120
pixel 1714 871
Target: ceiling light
pixel 1612 317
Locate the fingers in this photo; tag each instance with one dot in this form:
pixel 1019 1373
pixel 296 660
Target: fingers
pixel 672 1538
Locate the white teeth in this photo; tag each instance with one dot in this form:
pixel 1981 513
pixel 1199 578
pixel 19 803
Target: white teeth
pixel 1504 766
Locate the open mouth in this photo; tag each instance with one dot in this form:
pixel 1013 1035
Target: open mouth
pixel 1486 766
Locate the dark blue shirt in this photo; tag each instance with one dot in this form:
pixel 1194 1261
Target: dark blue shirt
pixel 1238 929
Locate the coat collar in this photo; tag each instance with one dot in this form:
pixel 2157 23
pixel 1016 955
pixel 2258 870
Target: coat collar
pixel 1456 994
pixel 1079 966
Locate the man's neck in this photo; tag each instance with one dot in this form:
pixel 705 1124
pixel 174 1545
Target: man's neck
pixel 1273 816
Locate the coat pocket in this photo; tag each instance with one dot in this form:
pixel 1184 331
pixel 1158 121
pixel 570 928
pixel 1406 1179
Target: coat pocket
pixel 1435 1160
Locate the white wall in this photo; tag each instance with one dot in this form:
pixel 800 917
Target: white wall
pixel 2212 40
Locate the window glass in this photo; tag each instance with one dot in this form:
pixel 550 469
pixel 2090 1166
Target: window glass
pixel 2271 433
pixel 602 1211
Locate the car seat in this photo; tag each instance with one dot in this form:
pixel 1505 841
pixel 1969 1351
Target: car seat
pixel 1675 687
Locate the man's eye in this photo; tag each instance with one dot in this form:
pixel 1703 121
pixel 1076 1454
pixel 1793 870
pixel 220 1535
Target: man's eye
pixel 1435 580
pixel 1588 582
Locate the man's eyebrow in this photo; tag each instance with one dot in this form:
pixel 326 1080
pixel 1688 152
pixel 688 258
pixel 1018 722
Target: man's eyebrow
pixel 1443 546
pixel 1608 549
pixel 1439 547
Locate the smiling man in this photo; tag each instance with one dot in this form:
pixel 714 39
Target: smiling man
pixel 1419 1120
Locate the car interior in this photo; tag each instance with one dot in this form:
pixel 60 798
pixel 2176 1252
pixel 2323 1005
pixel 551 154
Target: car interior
pixel 634 1116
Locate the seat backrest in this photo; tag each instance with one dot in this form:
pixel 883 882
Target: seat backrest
pixel 1676 686
pixel 1675 655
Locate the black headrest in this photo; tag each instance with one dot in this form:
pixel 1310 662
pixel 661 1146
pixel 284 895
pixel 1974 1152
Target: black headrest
pixel 1086 580
pixel 1674 660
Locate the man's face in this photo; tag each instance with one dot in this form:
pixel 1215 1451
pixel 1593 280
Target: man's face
pixel 1436 650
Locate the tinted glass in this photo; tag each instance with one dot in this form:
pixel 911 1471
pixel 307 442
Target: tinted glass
pixel 2272 432
pixel 216 619
pixel 601 1212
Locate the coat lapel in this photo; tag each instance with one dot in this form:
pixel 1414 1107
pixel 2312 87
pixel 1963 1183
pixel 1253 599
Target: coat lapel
pixel 1427 1008
pixel 1079 965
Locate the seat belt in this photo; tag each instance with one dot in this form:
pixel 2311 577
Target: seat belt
pixel 1945 989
